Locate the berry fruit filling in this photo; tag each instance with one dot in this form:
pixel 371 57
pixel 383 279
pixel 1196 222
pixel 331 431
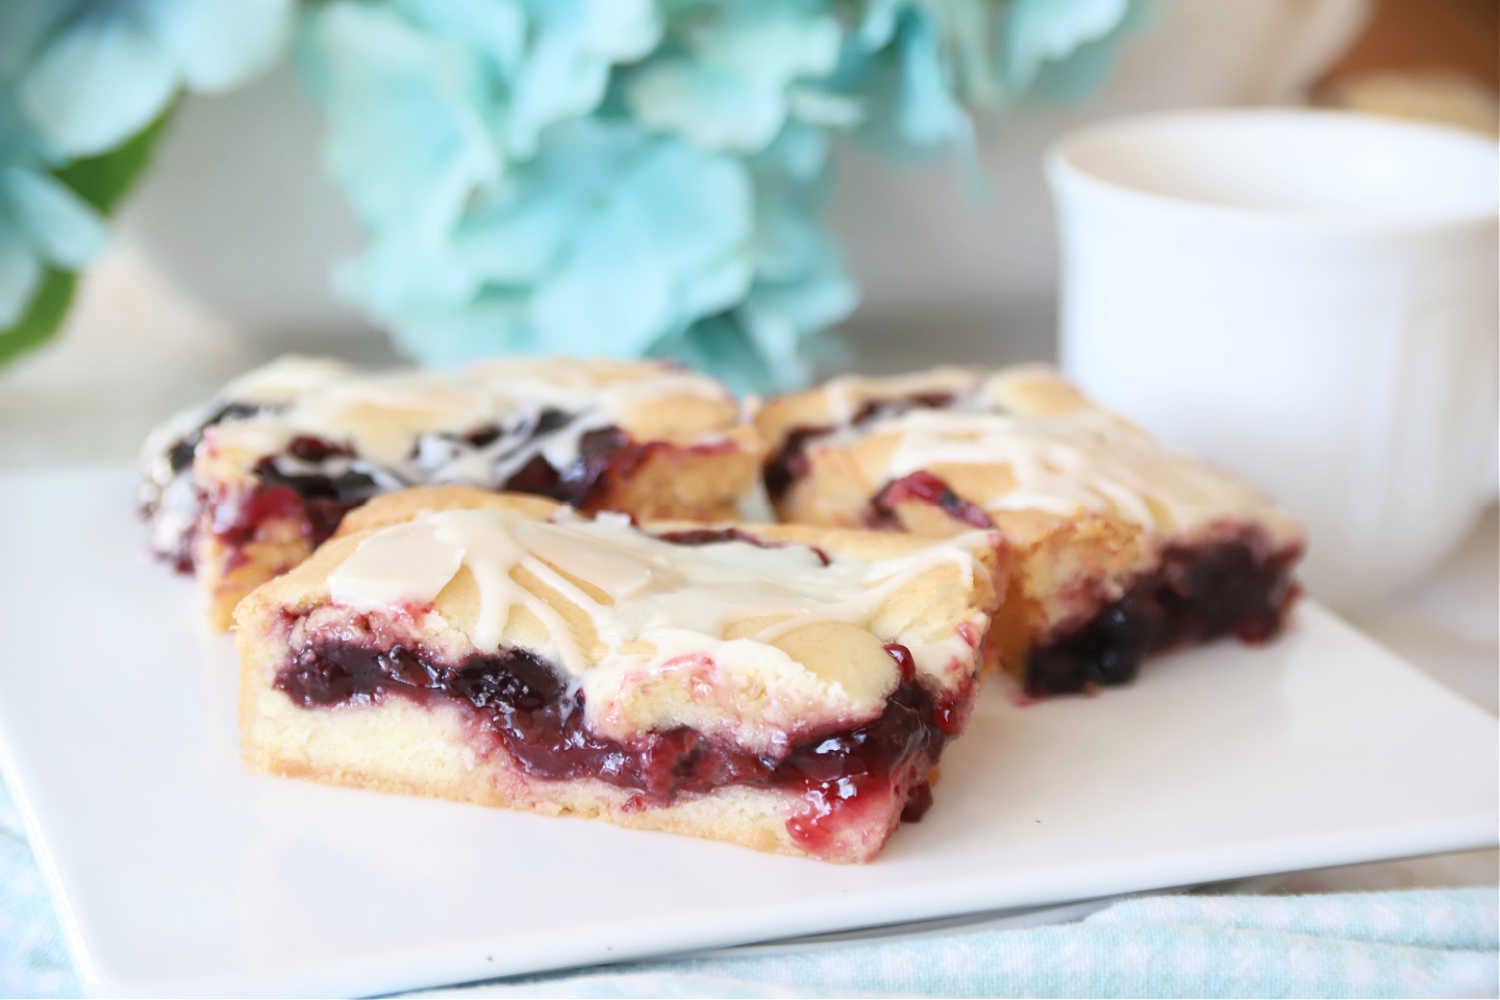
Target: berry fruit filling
pixel 789 464
pixel 522 703
pixel 923 487
pixel 1197 593
pixel 170 502
pixel 314 482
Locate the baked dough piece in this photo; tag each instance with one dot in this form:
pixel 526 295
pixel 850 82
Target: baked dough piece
pixel 782 687
pixel 245 487
pixel 1121 546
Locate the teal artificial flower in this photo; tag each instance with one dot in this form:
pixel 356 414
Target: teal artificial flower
pixel 919 68
pixel 84 86
pixel 629 177
pixel 42 222
pixel 608 236
pixel 730 81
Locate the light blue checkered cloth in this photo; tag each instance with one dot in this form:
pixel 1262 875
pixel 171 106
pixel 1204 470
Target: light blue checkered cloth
pixel 1415 943
pixel 33 960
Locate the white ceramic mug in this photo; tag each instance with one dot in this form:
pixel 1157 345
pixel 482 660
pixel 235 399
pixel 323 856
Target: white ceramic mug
pixel 1307 298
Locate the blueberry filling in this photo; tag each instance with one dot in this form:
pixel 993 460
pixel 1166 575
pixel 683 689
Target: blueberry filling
pixel 522 703
pixel 789 464
pixel 1199 592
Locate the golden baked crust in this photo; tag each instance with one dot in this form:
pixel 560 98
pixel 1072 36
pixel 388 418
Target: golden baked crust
pixel 938 601
pixel 757 677
pixel 383 414
pixel 1089 500
pixel 1020 441
pixel 404 749
pixel 674 443
pixel 226 573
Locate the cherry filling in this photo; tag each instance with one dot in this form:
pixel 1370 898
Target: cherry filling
pixel 522 703
pixel 327 480
pixel 604 455
pixel 789 464
pixel 318 498
pixel 923 487
pixel 1199 592
pixel 176 546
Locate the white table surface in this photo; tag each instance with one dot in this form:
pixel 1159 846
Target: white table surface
pixel 134 350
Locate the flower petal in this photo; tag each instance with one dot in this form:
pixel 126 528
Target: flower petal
pixel 567 68
pixel 1073 76
pixel 726 84
pixel 62 226
pixel 23 25
pixel 910 87
pixel 711 108
pixel 517 235
pixel 719 344
pixel 1038 31
pixel 496 26
pixel 671 220
pixel 98 82
pixel 406 135
pixel 219 45
pixel 19 274
pixel 497 322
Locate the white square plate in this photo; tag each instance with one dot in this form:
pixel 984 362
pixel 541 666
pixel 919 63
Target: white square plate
pixel 176 871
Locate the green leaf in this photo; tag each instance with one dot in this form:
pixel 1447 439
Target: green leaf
pixel 43 316
pixel 101 181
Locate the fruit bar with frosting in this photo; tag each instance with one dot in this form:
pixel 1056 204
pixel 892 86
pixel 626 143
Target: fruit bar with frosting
pixel 782 687
pixel 245 487
pixel 1122 547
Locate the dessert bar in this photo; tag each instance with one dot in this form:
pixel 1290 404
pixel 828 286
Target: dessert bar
pixel 787 688
pixel 1122 547
pixel 245 487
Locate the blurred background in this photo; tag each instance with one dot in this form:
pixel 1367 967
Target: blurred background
pixel 224 253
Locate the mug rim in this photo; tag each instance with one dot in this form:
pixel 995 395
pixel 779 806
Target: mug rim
pixel 1062 170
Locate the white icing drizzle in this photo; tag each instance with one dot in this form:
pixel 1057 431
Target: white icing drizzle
pixel 1083 460
pixel 446 460
pixel 654 591
pixel 405 426
pixel 388 417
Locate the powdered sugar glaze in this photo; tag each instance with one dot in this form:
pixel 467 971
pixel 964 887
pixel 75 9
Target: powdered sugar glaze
pixel 756 638
pixel 479 426
pixel 1063 454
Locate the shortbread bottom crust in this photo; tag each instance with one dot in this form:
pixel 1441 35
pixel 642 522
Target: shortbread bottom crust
pixel 316 720
pixel 405 748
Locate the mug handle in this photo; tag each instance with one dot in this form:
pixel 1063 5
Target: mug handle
pixel 1310 36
